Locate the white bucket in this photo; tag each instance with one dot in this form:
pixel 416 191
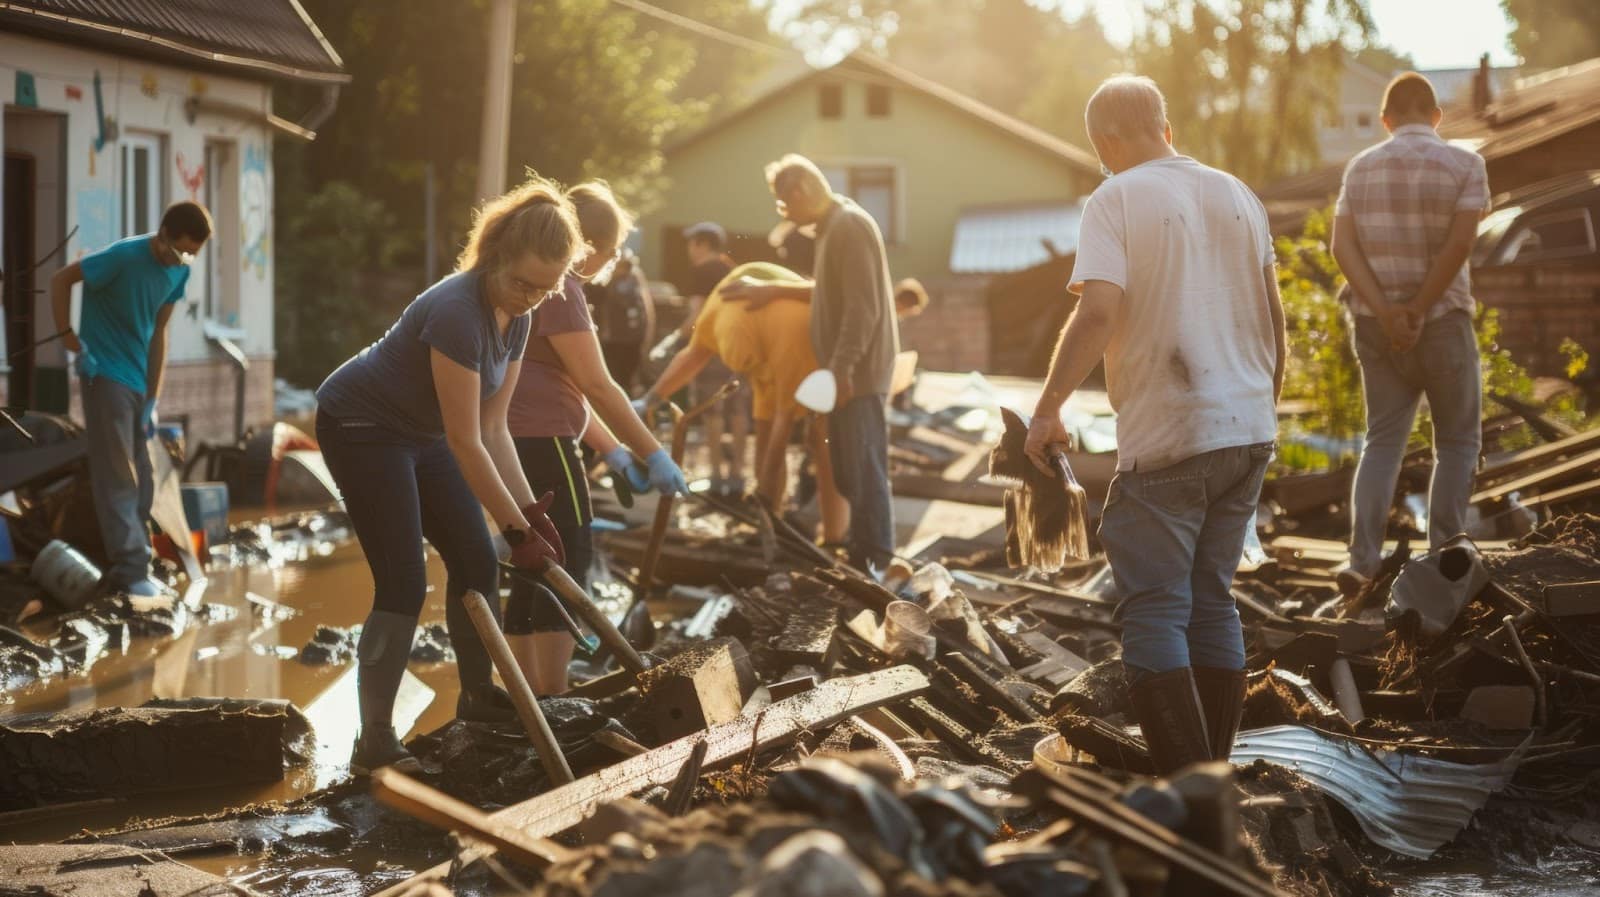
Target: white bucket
pixel 69 577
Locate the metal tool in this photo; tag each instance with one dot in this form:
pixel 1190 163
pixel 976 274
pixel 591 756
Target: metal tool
pixel 571 596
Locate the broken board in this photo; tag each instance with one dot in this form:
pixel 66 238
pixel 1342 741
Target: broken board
pixel 557 810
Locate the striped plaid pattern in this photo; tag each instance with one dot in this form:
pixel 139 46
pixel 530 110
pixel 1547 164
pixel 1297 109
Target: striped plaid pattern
pixel 1402 194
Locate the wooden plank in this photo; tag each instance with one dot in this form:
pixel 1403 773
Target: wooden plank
pixel 1545 477
pixel 1537 455
pixel 1575 492
pixel 555 811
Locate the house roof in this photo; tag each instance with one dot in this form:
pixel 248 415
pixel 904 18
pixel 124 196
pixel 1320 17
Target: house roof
pixel 1535 110
pixel 270 38
pixel 1000 238
pixel 866 66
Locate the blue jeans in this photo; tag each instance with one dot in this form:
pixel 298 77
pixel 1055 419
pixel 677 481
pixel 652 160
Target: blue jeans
pixel 858 445
pixel 398 490
pixel 1443 366
pixel 1174 537
pixel 120 475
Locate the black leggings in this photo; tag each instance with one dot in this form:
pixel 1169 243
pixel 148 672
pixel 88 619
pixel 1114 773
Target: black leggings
pixel 399 490
pixel 554 464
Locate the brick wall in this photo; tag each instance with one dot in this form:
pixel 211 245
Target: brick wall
pixel 953 334
pixel 203 392
pixel 1540 307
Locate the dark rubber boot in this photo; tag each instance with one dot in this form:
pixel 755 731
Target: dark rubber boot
pixel 1222 699
pixel 1168 710
pixel 487 703
pixel 382 653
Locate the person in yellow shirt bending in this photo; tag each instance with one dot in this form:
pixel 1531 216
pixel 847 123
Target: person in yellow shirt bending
pixel 770 347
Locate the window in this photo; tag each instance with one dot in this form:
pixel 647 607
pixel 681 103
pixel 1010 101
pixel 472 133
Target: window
pixel 830 101
pixel 142 197
pixel 219 258
pixel 874 187
pixel 1568 233
pixel 877 101
pixel 1364 123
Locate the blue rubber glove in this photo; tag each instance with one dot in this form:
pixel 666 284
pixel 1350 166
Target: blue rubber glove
pixel 88 365
pixel 621 463
pixel 149 418
pixel 665 477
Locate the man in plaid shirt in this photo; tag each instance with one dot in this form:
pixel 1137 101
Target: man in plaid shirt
pixel 1405 223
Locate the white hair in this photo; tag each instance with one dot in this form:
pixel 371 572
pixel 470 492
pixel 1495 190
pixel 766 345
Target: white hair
pixel 796 171
pixel 1126 106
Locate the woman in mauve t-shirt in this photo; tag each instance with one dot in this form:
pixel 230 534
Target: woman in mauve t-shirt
pixel 563 375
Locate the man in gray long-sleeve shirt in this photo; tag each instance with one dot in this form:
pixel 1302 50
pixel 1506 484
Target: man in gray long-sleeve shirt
pixel 855 336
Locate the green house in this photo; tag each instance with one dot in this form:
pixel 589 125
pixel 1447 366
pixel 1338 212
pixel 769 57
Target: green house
pixel 961 191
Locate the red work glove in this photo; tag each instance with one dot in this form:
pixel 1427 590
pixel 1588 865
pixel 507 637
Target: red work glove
pixel 541 526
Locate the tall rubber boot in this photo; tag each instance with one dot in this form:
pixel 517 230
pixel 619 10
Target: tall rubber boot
pixel 382 653
pixel 1167 707
pixel 480 701
pixel 1222 699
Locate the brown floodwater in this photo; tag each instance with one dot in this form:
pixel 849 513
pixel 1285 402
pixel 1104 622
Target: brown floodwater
pixel 248 655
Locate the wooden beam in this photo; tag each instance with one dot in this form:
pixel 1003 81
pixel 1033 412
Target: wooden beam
pixel 1520 461
pixel 436 808
pixel 557 810
pixel 1545 477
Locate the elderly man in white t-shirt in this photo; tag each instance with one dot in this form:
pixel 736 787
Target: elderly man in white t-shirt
pixel 1179 295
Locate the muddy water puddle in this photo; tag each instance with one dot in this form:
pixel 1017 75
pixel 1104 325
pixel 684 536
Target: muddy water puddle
pixel 247 646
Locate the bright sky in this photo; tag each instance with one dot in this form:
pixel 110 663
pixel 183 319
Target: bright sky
pixel 1436 33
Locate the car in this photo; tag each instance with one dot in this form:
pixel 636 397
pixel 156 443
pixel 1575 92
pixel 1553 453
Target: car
pixel 1549 222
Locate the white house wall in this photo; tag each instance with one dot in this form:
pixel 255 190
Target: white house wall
pixel 149 98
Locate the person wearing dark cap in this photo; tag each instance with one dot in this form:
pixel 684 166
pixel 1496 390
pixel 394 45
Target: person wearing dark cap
pixel 707 246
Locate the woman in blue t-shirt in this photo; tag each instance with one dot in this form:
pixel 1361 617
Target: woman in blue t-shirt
pixel 414 430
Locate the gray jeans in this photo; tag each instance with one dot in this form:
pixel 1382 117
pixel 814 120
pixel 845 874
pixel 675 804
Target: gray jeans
pixel 120 472
pixel 1443 366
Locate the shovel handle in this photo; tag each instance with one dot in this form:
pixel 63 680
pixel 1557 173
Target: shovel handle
pixel 544 740
pixel 1058 459
pixel 575 597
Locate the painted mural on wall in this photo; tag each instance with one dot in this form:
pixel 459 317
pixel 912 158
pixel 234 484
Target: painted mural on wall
pixel 193 178
pixel 255 234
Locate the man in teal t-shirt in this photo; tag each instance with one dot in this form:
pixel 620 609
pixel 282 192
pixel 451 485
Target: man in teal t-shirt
pixel 129 290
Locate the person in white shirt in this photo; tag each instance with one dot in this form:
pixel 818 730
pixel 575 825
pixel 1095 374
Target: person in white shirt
pixel 1178 294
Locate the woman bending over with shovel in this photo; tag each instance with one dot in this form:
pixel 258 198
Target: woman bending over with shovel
pixel 414 431
pixel 563 375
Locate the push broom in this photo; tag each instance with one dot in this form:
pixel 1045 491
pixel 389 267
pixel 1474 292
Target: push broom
pixel 1047 519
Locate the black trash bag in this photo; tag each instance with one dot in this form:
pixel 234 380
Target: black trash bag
pixel 956 829
pixel 1028 870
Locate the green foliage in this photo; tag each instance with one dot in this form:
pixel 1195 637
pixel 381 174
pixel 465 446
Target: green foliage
pixel 597 91
pixel 1322 369
pixel 1551 33
pixel 323 315
pixel 1249 81
pixel 1323 372
pixel 1577 357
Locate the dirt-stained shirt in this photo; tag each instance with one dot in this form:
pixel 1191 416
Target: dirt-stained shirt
pixel 1190 362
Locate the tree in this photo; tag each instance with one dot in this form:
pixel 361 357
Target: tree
pixel 1552 33
pixel 596 91
pixel 1248 82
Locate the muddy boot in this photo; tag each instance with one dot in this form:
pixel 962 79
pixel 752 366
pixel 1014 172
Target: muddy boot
pixel 481 701
pixel 382 653
pixel 1222 699
pixel 1169 714
pixel 485 703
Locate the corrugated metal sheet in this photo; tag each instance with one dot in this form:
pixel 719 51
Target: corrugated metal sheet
pixel 274 31
pixel 1409 804
pixel 1001 239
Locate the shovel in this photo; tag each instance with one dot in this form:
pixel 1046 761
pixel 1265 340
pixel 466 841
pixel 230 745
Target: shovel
pixel 680 439
pixel 571 595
